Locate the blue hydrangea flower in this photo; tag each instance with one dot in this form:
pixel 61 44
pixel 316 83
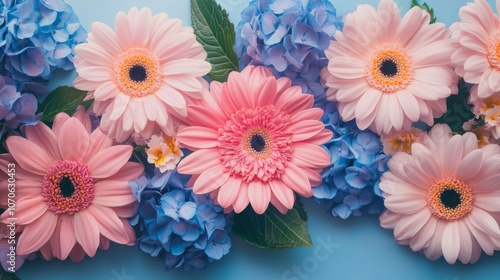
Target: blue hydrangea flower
pixel 289 37
pixel 350 183
pixel 16 109
pixel 37 37
pixel 188 230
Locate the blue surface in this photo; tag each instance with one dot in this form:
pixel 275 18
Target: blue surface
pixel 359 249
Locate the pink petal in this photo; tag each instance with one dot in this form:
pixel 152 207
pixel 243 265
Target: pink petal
pixel 108 198
pixel 98 141
pixel 242 200
pixel 451 242
pixel 68 237
pixel 105 91
pixel 484 222
pixel 29 209
pixel 424 235
pixel 368 103
pixel 109 161
pixel 228 192
pixel 405 203
pixel 44 137
pixel 305 129
pixel 106 38
pixel 309 155
pixel 130 171
pixel 409 104
pixel 283 193
pixel 452 155
pixel 295 103
pixel 470 165
pixel 297 180
pixel 198 137
pixel 124 32
pixel 466 247
pixel 109 224
pixel 28 155
pixel 87 232
pixel 276 203
pixel 308 114
pixel 36 234
pixel 199 161
pixel 259 194
pixel 59 120
pixel 77 254
pixel 487 202
pixel 73 140
pixel 200 116
pixel 210 180
pixel 409 225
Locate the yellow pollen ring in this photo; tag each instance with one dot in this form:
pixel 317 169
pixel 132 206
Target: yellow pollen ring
pixel 132 58
pixel 440 210
pixel 247 145
pixel 389 83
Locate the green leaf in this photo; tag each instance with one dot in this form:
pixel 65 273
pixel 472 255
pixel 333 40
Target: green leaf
pixel 459 110
pixel 414 3
pixel 216 33
pixel 274 230
pixel 8 276
pixel 62 99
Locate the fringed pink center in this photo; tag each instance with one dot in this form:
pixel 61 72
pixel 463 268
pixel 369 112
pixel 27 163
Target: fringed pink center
pixel 255 145
pixel 68 187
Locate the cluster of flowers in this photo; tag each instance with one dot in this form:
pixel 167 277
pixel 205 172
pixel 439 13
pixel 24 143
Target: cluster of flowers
pixel 36 38
pixel 187 228
pixel 259 138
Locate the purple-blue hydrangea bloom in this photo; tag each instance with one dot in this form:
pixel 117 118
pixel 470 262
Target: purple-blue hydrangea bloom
pixel 350 183
pixel 289 37
pixel 16 109
pixel 186 229
pixel 37 37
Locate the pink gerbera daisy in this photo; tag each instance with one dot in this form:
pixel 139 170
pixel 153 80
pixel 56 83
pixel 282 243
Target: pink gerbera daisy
pixel 256 140
pixel 142 76
pixel 72 192
pixel 389 72
pixel 477 59
pixel 443 198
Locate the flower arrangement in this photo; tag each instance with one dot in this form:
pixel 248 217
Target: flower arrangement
pixel 172 137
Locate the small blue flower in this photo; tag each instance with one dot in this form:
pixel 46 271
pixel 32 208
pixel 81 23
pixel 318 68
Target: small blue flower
pixel 350 183
pixel 185 228
pixel 16 109
pixel 289 37
pixel 36 38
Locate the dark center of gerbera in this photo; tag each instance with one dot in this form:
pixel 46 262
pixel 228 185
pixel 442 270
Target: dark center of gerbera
pixel 450 198
pixel 67 187
pixel 257 142
pixel 138 73
pixel 389 68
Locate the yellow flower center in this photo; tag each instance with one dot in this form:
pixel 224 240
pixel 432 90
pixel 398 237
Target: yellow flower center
pixel 137 73
pixel 257 143
pixel 389 70
pixel 450 199
pixel 490 103
pixel 493 49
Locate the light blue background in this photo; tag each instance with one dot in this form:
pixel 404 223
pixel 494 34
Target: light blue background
pixel 363 250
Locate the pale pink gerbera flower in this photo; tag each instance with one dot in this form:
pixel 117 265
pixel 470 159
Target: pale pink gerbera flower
pixel 389 72
pixel 142 76
pixel 72 192
pixel 477 59
pixel 256 140
pixel 443 198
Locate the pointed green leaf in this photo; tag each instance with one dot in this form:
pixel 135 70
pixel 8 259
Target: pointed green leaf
pixel 62 99
pixel 274 230
pixel 216 33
